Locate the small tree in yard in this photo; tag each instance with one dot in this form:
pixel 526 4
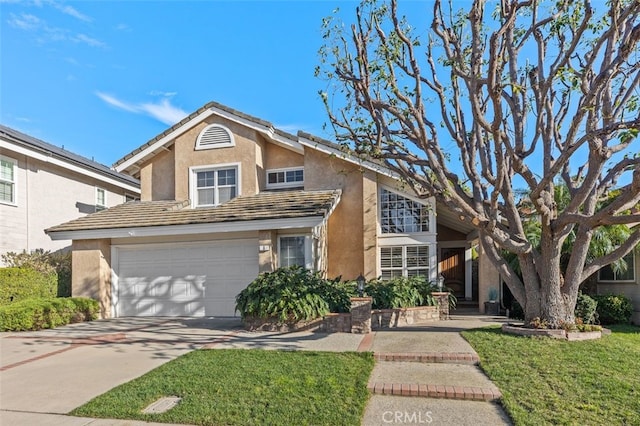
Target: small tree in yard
pixel 505 94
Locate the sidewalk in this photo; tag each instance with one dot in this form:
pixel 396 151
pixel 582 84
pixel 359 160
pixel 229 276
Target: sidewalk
pixel 429 375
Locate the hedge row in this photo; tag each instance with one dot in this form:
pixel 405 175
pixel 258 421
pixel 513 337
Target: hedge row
pixel 36 314
pixel 17 284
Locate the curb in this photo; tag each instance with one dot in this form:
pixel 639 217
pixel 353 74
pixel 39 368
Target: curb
pixel 469 393
pixel 430 357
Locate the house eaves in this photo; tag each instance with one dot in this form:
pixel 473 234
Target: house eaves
pixel 13 140
pixel 266 210
pixel 130 162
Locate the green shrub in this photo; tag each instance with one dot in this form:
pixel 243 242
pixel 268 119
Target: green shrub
pixel 586 309
pixel 288 294
pixel 36 314
pixel 46 263
pixel 18 284
pixel 399 292
pixel 614 309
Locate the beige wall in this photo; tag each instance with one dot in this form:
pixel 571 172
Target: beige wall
pixel 157 177
pixel 277 157
pixel 47 195
pixel 488 277
pixel 244 152
pixel 631 290
pixel 91 276
pixel 345 228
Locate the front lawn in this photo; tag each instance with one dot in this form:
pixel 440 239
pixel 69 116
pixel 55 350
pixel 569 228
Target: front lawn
pixel 547 381
pixel 239 387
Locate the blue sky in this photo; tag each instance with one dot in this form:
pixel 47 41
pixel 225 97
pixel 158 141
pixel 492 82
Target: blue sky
pixel 103 77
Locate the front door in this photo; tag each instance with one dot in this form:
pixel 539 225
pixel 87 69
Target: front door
pixel 452 269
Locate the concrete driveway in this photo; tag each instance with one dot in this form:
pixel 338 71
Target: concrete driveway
pixel 55 371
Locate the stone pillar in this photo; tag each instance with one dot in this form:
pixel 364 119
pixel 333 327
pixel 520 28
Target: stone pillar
pixel 443 303
pixel 361 315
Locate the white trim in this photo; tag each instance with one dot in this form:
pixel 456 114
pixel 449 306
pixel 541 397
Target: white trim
pixel 66 165
pixel 154 231
pixel 231 143
pixel 193 181
pixel 308 250
pixel 291 144
pixel 284 184
pixel 114 280
pixel 14 182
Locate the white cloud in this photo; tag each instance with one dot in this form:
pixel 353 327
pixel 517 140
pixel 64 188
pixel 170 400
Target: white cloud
pixel 161 110
pixel 163 94
pixel 122 27
pixel 83 38
pixel 164 111
pixel 24 21
pixel 68 10
pixel 289 128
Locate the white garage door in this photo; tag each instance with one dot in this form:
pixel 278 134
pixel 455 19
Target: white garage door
pixel 198 279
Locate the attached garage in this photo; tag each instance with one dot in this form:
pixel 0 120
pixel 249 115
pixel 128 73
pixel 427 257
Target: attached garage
pixel 189 279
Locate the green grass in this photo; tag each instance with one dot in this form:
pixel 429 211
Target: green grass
pixel 547 381
pixel 239 387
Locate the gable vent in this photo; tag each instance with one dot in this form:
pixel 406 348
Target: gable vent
pixel 214 136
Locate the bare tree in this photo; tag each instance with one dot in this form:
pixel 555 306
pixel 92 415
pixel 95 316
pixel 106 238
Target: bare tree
pixel 508 94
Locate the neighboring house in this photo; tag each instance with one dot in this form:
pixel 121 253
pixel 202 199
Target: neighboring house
pixel 226 196
pixel 627 283
pixel 42 185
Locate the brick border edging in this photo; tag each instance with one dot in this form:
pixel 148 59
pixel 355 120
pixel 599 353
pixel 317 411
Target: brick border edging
pixel 469 393
pixel 429 357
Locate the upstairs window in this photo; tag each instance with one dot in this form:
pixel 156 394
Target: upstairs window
pixel 401 215
pixel 285 178
pixel 214 186
pixel 214 136
pixel 101 199
pixel 609 274
pixel 8 173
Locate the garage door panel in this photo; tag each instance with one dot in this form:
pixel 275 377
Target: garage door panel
pixel 189 280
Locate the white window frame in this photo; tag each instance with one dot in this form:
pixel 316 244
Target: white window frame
pixel 193 181
pixel 425 203
pixel 308 251
pixel 102 206
pixel 631 267
pixel 404 268
pixel 284 184
pixel 232 140
pixel 13 161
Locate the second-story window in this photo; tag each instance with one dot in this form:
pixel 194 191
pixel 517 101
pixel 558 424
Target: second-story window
pixel 285 178
pixel 402 215
pixel 214 186
pixel 101 199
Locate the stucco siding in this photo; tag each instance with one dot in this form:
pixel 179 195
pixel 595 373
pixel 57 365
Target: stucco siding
pixel 277 157
pixel 629 289
pixel 345 226
pixel 91 276
pixel 48 195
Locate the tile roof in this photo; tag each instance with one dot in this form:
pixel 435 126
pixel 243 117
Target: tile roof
pixel 262 206
pixel 25 140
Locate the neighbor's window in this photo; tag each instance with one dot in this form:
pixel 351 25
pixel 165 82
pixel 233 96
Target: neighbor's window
pixel 214 136
pixel 608 273
pixel 400 215
pixel 283 178
pixel 214 186
pixel 293 251
pixel 404 261
pixel 101 199
pixel 8 171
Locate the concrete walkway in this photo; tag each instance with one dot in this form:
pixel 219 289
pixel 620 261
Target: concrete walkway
pixel 423 375
pixel 429 375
